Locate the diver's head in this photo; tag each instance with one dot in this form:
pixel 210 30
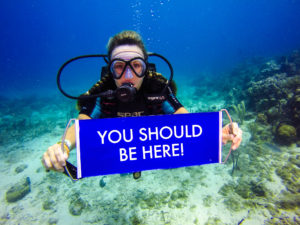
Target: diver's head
pixel 127 37
pixel 127 56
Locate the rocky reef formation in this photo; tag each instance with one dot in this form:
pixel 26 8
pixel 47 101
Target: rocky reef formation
pixel 274 94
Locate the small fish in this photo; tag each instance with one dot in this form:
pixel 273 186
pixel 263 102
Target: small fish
pixel 102 183
pixel 272 147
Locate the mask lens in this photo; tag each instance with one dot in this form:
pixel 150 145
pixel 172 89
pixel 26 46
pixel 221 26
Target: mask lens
pixel 138 66
pixel 117 68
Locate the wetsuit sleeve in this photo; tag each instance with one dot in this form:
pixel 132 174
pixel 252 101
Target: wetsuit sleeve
pixel 90 107
pixel 171 104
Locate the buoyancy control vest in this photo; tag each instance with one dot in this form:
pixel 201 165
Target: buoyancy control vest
pixel 149 98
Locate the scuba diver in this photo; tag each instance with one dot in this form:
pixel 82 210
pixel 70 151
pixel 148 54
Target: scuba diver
pixel 141 91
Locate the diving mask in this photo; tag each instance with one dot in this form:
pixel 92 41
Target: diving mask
pixel 137 65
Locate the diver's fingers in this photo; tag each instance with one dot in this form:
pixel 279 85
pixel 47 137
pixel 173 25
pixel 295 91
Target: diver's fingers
pixel 46 161
pixel 236 144
pixel 226 137
pixel 60 155
pixel 226 134
pixel 235 128
pixel 226 129
pixel 238 133
pixel 232 133
pixel 52 152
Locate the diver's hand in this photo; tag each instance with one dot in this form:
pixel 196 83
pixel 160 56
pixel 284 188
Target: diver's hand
pixel 55 158
pixel 233 134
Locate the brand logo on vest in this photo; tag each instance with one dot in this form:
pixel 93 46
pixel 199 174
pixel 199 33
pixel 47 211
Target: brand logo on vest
pixel 129 114
pixel 153 98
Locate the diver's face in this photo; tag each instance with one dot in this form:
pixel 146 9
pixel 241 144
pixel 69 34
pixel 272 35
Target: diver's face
pixel 126 74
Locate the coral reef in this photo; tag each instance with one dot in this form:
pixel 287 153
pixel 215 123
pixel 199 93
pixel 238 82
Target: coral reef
pixel 291 64
pixel 269 88
pixel 275 96
pixel 286 134
pixel 294 111
pixel 272 92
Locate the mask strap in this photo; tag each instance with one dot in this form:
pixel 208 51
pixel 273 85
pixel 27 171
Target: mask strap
pixel 230 127
pixel 62 147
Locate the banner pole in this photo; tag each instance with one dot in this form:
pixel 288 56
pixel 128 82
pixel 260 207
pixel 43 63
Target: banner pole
pixel 220 136
pixel 229 117
pixel 77 130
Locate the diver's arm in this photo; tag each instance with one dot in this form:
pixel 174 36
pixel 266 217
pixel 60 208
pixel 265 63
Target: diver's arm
pixel 181 110
pixel 55 157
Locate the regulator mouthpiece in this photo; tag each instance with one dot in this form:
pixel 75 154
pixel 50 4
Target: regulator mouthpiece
pixel 126 93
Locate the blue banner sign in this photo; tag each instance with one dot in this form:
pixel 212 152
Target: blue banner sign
pixel 132 144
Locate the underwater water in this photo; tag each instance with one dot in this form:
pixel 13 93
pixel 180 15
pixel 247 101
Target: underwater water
pixel 239 55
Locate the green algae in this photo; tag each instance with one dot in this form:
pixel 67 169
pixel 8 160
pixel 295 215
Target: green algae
pixel 245 193
pixel 52 221
pixel 262 119
pixel 197 173
pixel 177 199
pixel 288 204
pixel 207 201
pixel 260 133
pixel 135 220
pixel 252 164
pixel 77 205
pixel 273 210
pixel 290 174
pixel 233 204
pixel 193 207
pixel 179 205
pixel 250 190
pixel 179 194
pixel 213 221
pixel 289 201
pixel 282 220
pixel 153 200
pixel 18 191
pixel 21 168
pixel 48 204
pixel 295 159
pixel 227 189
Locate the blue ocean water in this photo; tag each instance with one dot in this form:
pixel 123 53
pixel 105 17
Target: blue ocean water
pixel 196 36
